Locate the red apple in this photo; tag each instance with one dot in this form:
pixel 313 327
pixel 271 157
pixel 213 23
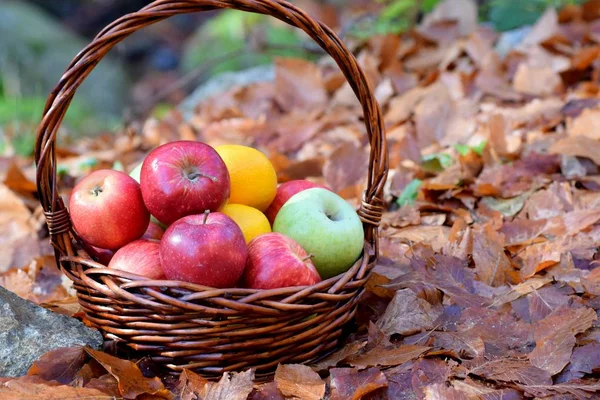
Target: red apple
pixel 276 261
pixel 207 249
pixel 140 257
pixel 103 256
pixel 285 191
pixel 183 178
pixel 153 232
pixel 107 209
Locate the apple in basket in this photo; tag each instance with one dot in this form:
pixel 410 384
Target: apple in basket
pixel 284 192
pixel 140 257
pixel 276 261
pixel 135 174
pixel 183 178
pixel 208 249
pixel 326 226
pixel 153 232
pixel 107 209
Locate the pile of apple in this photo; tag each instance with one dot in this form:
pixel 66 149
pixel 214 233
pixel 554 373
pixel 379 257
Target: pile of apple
pixel 182 186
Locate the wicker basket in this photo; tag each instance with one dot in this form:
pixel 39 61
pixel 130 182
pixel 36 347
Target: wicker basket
pixel 182 325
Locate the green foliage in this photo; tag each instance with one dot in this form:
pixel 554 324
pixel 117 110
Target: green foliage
pixel 436 162
pixel 222 43
pixel 511 14
pixel 464 149
pixel 410 193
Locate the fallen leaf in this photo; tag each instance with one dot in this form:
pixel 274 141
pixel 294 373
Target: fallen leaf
pixel 441 391
pixel 544 301
pixel 190 385
pixel 387 356
pixel 492 266
pixel 267 391
pixel 512 370
pixel 351 384
pixel 579 389
pixel 537 81
pixel 231 386
pixel 18 389
pixel 408 314
pixel 555 337
pixel 59 365
pixel 345 167
pixel 332 361
pixel 515 292
pixel 584 124
pixel 584 360
pixel 131 381
pixel 18 236
pixel 106 384
pixel 299 382
pixel 462 11
pixel 299 85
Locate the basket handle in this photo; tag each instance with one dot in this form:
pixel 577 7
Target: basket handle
pixel 60 98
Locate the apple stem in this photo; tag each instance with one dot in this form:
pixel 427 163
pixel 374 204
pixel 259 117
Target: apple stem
pixel 308 257
pixel 96 191
pixel 206 212
pixel 194 175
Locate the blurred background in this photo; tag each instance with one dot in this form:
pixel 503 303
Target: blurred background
pixel 156 69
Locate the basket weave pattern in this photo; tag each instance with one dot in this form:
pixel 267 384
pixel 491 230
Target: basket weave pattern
pixel 183 325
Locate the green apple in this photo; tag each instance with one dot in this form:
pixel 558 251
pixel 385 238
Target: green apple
pixel 326 226
pixel 135 174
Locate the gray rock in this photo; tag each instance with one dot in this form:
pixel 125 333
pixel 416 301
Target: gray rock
pixel 224 82
pixel 28 331
pixel 35 49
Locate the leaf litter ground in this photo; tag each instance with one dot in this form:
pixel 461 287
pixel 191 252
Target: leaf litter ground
pixel 488 282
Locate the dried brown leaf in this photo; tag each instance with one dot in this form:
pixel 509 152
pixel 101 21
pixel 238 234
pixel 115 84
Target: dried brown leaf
pixel 585 124
pixel 18 236
pixel 299 382
pixel 106 384
pixel 515 292
pixel 408 314
pixel 61 365
pixel 555 337
pixel 492 266
pixel 351 384
pixel 464 12
pixel 345 167
pixel 299 85
pixel 231 386
pixel 387 356
pixel 512 370
pixel 267 391
pixel 579 389
pixel 131 381
pixel 22 388
pixel 190 385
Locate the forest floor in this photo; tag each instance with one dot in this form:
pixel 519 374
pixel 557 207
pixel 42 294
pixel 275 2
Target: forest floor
pixel 488 281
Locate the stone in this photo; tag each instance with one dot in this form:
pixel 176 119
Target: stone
pixel 224 82
pixel 27 331
pixel 30 37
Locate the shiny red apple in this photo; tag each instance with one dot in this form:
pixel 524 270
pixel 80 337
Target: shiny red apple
pixel 183 178
pixel 153 232
pixel 107 209
pixel 103 256
pixel 140 257
pixel 276 261
pixel 285 191
pixel 208 249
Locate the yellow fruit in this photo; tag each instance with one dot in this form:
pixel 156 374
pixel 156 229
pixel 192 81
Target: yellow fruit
pixel 253 178
pixel 250 220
